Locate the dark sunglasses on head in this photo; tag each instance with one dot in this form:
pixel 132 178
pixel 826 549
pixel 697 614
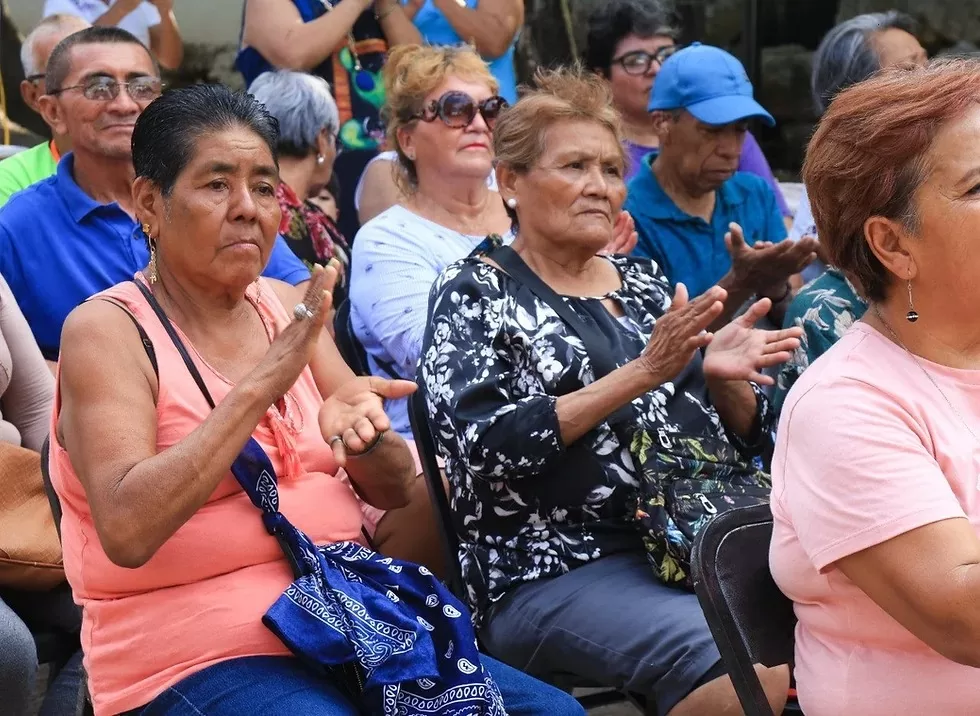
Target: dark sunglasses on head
pixel 458 110
pixel 639 62
pixel 105 89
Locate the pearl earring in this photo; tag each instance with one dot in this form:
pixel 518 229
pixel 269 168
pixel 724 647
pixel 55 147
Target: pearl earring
pixel 320 159
pixel 512 203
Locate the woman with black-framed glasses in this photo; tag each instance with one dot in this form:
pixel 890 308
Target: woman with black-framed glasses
pixel 628 42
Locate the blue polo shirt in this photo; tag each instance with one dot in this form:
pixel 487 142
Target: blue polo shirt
pixel 58 247
pixel 689 249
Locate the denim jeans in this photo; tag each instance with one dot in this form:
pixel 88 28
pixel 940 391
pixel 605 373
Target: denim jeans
pixel 281 686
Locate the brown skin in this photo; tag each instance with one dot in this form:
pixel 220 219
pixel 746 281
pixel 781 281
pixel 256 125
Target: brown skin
pixel 631 93
pixel 567 203
pixel 897 47
pixel 695 159
pixel 276 29
pixel 490 27
pixel 928 578
pixel 32 91
pixel 100 132
pixel 214 235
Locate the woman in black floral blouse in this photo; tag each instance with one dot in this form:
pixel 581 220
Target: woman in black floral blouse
pixel 543 492
pixel 307 117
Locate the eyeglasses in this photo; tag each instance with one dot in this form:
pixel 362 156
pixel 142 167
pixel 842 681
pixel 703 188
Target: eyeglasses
pixel 106 89
pixel 458 110
pixel 639 62
pixel 34 78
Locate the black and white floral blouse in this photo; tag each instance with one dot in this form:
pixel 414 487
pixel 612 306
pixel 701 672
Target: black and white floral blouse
pixel 494 362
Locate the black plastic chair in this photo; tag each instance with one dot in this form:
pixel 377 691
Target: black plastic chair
pixel 54 649
pixel 419 418
pixel 751 620
pixel 350 348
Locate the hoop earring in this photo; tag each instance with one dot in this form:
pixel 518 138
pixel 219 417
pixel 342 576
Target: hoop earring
pixel 912 316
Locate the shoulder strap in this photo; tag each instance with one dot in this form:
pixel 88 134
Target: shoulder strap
pixel 144 339
pixel 514 265
pixel 178 344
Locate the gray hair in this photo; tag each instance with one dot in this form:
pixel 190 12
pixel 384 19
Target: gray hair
pixel 846 55
pixel 57 24
pixel 303 105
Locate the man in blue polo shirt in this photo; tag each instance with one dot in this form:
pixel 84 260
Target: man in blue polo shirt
pixel 688 198
pixel 72 235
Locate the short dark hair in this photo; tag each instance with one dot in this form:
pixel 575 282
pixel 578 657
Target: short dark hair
pixel 613 20
pixel 59 64
pixel 847 56
pixel 167 131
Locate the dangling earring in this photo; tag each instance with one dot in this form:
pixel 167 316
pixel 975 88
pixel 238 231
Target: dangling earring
pixel 512 203
pixel 912 316
pixel 153 262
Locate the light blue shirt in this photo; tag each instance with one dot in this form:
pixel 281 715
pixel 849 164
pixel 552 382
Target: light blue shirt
pixel 436 30
pixel 397 257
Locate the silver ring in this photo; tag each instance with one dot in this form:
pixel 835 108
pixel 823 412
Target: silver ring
pixel 334 439
pixel 301 312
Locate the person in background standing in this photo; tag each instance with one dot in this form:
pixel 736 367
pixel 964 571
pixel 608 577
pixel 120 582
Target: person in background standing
pixel 491 26
pixel 627 43
pixel 344 42
pixel 30 166
pixel 152 22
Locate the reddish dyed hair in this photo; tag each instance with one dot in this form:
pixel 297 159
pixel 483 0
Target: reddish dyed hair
pixel 870 154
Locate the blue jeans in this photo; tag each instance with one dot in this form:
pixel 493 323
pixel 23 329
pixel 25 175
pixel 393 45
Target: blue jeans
pixel 281 686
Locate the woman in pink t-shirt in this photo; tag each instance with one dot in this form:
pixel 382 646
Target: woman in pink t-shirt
pixel 877 465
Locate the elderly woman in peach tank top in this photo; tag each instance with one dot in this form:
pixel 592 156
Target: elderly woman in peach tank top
pixel 203 424
pixel 875 497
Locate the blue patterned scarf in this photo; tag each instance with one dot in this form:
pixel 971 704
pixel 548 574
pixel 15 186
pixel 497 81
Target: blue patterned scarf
pixel 409 636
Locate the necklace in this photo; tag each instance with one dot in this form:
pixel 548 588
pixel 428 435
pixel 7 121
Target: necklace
pixel 362 78
pixel 926 373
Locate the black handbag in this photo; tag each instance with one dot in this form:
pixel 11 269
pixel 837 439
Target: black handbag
pixel 685 480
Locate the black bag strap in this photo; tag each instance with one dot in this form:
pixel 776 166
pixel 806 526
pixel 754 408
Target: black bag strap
pixel 602 363
pixel 178 344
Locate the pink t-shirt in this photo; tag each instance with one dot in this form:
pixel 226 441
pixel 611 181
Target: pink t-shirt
pixel 200 599
pixel 868 449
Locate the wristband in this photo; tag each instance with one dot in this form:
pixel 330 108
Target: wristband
pixel 783 297
pixel 379 16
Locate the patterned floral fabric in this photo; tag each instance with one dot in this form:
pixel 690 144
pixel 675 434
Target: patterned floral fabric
pixel 825 309
pixel 494 361
pixel 311 234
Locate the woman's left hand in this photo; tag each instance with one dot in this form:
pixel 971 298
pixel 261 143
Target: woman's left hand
pixel 352 419
pixel 624 235
pixel 739 351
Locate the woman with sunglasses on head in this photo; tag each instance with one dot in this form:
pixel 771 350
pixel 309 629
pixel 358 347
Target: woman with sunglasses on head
pixel 344 42
pixel 628 41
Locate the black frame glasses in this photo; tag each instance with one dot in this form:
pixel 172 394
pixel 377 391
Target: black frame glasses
pixel 639 62
pixel 106 89
pixel 458 110
pixel 35 78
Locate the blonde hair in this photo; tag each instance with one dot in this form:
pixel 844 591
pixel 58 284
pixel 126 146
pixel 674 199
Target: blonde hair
pixel 560 95
pixel 413 71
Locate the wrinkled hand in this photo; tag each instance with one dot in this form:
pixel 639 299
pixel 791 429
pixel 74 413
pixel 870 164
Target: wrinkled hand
pixel 355 413
pixel 293 348
pixel 624 235
pixel 741 352
pixel 764 268
pixel 681 332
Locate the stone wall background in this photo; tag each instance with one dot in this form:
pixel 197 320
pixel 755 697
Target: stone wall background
pixel 788 32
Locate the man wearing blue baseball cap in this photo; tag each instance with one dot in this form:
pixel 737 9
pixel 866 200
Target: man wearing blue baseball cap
pixel 701 220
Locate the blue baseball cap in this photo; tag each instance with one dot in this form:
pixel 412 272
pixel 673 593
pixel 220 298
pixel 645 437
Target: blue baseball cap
pixel 709 83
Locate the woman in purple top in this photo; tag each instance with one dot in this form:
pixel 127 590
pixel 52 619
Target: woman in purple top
pixel 627 42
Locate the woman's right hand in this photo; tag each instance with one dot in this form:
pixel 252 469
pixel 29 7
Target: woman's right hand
pixel 681 332
pixel 293 348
